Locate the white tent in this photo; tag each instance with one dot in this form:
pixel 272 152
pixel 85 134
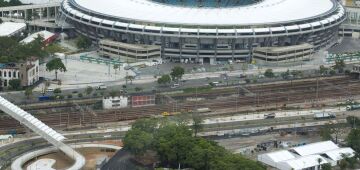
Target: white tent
pixel 273 158
pixel 302 163
pixel 315 148
pixel 337 154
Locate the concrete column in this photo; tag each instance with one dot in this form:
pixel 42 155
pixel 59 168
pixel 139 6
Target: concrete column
pixel 11 14
pixel 56 11
pixel 25 15
pixel 47 13
pixel 41 13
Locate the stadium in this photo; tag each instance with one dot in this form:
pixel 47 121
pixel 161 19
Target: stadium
pixel 208 31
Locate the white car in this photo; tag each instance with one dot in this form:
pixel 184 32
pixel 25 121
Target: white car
pixel 50 90
pixel 101 87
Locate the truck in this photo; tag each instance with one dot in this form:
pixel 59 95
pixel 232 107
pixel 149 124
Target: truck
pixel 170 113
pixel 101 87
pixel 203 110
pixel 269 116
pixel 352 107
pixel 324 115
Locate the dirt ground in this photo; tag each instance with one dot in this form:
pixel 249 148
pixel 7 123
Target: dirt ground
pixel 90 154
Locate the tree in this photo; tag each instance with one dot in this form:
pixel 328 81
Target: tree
pixel 116 66
pixel 138 89
pixel 319 160
pixel 285 75
pixel 269 73
pixel 57 91
pixel 15 84
pixel 339 65
pixel 176 73
pixel 14 3
pixel 176 147
pixel 244 67
pixel 343 164
pixel 88 90
pixel 164 79
pixel 353 121
pixel 323 70
pixel 83 42
pixel 325 133
pixel 137 141
pixel 131 78
pixel 326 166
pixel 196 124
pixel 28 92
pixel 353 140
pixel 55 65
pixel 332 72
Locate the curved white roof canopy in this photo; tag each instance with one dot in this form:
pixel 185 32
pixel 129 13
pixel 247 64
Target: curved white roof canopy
pixel 265 12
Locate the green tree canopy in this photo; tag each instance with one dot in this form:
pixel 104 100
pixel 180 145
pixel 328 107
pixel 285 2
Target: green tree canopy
pixel 28 92
pixel 177 72
pixel 83 42
pixel 89 90
pixel 13 51
pixel 164 79
pixel 175 147
pixel 55 65
pixel 339 65
pixel 269 73
pixel 15 84
pixel 353 140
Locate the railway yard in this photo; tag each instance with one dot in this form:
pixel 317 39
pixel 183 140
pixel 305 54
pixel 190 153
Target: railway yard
pixel 234 116
pixel 221 101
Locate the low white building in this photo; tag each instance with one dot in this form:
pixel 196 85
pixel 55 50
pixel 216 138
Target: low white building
pixel 46 35
pixel 5 138
pixel 310 156
pixel 8 29
pixel 27 72
pixel 115 102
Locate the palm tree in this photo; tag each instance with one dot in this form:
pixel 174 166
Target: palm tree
pixel 131 78
pixel 319 160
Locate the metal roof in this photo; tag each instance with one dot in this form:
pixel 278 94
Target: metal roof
pixel 10 28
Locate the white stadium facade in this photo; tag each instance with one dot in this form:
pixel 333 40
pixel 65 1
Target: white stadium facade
pixel 209 31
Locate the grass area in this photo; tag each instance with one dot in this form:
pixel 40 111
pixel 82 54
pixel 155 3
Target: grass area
pixel 55 48
pixel 198 89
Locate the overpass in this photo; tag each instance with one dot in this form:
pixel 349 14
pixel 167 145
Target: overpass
pixel 37 15
pixel 43 130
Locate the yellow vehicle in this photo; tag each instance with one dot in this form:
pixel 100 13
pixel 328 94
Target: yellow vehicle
pixel 170 113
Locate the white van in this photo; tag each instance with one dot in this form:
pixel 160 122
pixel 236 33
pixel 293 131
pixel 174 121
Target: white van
pixel 50 89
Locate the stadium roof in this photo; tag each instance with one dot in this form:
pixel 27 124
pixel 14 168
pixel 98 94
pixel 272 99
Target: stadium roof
pixel 11 28
pixel 266 11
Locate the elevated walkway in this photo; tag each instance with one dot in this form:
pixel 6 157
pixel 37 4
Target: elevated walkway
pixel 43 130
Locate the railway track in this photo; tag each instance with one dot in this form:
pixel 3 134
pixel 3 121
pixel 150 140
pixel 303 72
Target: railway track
pixel 266 94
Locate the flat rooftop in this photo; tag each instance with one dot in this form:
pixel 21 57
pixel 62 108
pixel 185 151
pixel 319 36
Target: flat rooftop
pixel 264 12
pixel 11 28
